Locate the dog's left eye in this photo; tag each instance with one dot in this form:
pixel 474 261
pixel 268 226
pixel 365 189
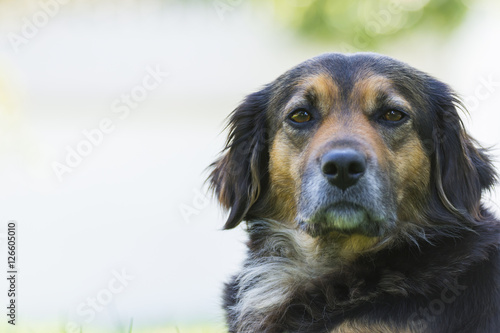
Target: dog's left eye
pixel 393 116
pixel 300 116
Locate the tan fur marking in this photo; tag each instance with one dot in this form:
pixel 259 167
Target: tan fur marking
pixel 353 126
pixel 324 88
pixel 366 90
pixel 284 164
pixel 412 167
pixel 352 327
pixel 284 178
pixel 356 244
pixel 356 127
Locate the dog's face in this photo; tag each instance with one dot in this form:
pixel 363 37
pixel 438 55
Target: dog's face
pixel 353 145
pixel 346 155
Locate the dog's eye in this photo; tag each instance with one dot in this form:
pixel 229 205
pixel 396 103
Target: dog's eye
pixel 393 116
pixel 300 116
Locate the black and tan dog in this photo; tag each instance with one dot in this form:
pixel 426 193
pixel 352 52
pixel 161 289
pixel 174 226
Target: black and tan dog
pixel 361 192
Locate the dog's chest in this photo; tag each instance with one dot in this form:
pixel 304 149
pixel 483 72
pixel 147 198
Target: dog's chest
pixel 353 327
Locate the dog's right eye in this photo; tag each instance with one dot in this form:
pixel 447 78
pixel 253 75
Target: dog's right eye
pixel 393 116
pixel 300 116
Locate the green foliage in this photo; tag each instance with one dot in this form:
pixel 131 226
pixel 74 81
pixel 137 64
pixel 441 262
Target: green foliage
pixel 362 24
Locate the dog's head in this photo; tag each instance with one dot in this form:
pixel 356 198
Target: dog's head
pixel 355 145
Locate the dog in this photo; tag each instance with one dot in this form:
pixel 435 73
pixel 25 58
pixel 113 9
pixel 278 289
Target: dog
pixel 361 192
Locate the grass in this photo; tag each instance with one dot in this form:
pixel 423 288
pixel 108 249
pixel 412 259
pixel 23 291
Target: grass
pixel 181 328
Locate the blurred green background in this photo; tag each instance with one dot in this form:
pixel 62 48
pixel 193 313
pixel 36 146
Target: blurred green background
pixel 365 24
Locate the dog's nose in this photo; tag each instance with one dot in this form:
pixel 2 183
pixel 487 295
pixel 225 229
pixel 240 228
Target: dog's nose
pixel 343 167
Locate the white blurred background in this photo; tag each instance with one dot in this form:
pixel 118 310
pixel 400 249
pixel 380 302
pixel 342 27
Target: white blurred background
pixel 134 203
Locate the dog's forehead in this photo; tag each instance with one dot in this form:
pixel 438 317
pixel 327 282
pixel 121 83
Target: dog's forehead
pixel 330 78
pixel 345 70
pixel 364 92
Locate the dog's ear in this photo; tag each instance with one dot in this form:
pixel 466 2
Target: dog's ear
pixel 238 175
pixel 462 169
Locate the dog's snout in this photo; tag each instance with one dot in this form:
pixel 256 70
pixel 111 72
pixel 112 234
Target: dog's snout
pixel 343 167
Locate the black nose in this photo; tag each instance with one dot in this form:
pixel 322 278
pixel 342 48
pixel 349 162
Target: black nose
pixel 343 167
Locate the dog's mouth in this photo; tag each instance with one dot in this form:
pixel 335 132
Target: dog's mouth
pixel 344 217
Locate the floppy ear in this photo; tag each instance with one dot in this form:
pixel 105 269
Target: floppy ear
pixel 238 176
pixel 462 169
